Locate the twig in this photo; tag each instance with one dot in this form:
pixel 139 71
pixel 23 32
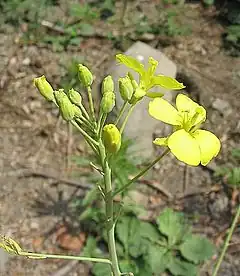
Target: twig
pixel 157 186
pixel 54 175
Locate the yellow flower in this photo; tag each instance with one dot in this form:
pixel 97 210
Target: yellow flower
pixel 188 143
pixel 147 76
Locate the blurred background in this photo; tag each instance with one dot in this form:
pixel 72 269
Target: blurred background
pixel 44 173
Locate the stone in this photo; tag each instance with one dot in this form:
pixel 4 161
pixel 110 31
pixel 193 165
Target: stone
pixel 3 260
pixel 141 126
pixel 222 106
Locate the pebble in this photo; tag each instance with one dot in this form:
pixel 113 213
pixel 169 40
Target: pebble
pixel 222 106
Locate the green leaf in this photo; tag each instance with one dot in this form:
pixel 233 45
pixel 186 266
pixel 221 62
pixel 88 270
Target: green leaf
pixel 149 231
pixel 181 268
pixel 90 196
pixel 128 266
pixel 197 249
pixel 101 270
pixel 158 258
pixel 122 231
pixel 166 82
pixel 128 231
pixel 131 62
pixel 173 225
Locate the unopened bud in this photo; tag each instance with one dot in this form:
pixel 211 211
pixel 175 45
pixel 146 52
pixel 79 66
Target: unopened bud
pixel 77 111
pixel 138 94
pixel 125 88
pixel 65 106
pixel 84 75
pixel 74 97
pixel 111 138
pixel 107 85
pixel 108 102
pixel 44 88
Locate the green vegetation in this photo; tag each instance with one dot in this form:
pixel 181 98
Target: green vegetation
pixel 231 174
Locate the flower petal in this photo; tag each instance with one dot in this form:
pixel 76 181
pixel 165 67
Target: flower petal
pixel 209 145
pixel 184 103
pixel 154 95
pixel 166 82
pixel 161 110
pixel 161 141
pixel 184 147
pixel 131 62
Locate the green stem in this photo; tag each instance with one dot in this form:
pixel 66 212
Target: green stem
pixel 126 118
pixel 109 210
pixel 84 111
pixel 121 112
pixel 84 133
pixel 89 90
pixel 141 173
pixel 226 244
pixel 79 258
pixel 102 125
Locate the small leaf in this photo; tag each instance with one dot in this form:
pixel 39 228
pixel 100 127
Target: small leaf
pixel 181 268
pixel 166 82
pixel 90 196
pixel 172 224
pixel 197 249
pixel 158 258
pixel 122 231
pixel 130 62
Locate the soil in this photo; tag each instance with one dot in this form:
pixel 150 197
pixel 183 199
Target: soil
pixel 35 144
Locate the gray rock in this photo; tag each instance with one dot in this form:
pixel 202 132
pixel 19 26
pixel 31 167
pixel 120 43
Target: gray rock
pixel 222 106
pixel 140 125
pixel 3 260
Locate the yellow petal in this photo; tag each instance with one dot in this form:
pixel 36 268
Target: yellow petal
pixel 161 141
pixel 184 103
pixel 161 110
pixel 184 147
pixel 209 145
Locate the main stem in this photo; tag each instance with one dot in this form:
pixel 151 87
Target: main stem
pixel 109 210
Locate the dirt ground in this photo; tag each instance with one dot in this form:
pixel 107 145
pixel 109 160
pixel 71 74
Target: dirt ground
pixel 35 144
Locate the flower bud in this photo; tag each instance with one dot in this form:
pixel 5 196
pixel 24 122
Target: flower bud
pixel 77 111
pixel 107 85
pixel 138 94
pixel 74 96
pixel 84 75
pixel 125 88
pixel 108 102
pixel 111 138
pixel 44 88
pixel 65 106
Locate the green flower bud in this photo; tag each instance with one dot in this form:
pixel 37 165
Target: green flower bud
pixel 107 85
pixel 125 88
pixel 84 75
pixel 74 96
pixel 138 94
pixel 111 138
pixel 65 106
pixel 108 102
pixel 77 111
pixel 44 88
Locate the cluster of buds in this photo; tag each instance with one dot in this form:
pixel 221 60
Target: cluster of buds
pixel 108 97
pixel 129 90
